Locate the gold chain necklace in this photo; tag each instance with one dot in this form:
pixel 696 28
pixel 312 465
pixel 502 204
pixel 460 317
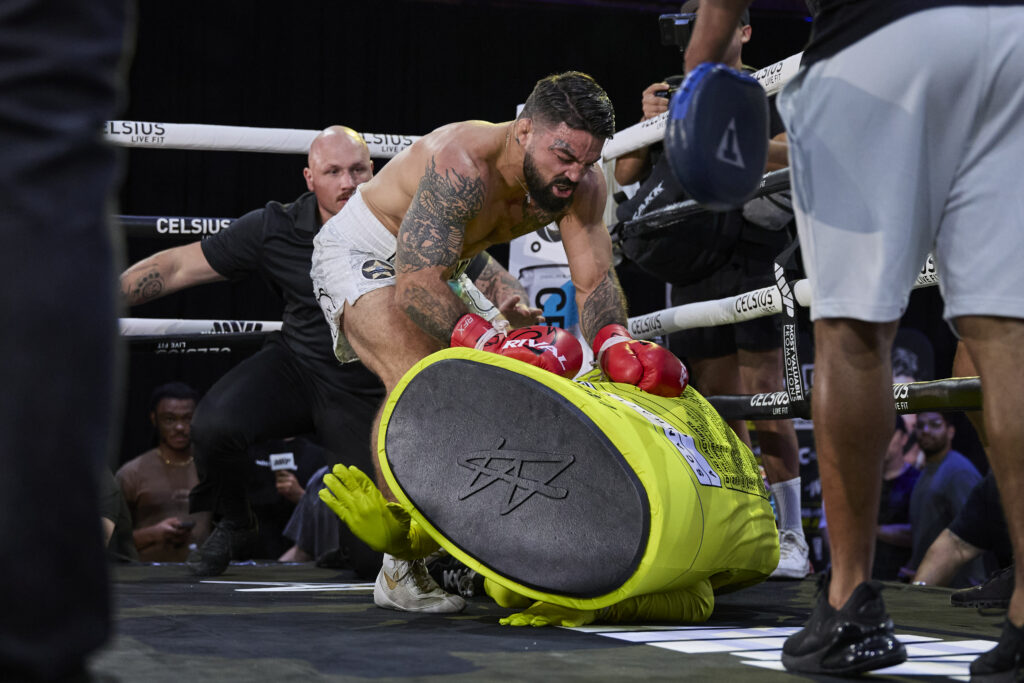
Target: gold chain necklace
pixel 173 463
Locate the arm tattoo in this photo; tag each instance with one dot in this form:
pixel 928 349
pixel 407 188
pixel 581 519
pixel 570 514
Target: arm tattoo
pixel 432 231
pixel 497 284
pixel 604 306
pixel 147 287
pixel 431 235
pixel 435 315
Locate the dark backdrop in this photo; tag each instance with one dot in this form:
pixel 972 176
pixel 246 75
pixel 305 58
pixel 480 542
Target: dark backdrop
pixel 388 66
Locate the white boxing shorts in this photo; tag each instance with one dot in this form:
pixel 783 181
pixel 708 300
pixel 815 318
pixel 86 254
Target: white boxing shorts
pixel 897 149
pixel 354 254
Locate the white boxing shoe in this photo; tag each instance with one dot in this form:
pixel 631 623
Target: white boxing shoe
pixel 408 587
pixel 794 561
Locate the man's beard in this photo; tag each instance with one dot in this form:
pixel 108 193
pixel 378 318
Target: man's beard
pixel 540 193
pixel 931 446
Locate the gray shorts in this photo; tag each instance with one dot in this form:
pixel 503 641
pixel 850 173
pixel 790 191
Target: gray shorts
pixel 906 142
pixel 354 254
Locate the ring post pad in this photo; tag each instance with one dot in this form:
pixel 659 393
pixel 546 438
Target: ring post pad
pixel 716 138
pixel 579 494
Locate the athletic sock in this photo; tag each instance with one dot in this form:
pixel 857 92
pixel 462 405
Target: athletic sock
pixel 787 503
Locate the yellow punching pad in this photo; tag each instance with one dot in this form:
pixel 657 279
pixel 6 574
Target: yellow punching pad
pixel 577 493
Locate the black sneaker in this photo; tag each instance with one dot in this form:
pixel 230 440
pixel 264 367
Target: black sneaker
pixel 455 577
pixel 229 541
pixel 1004 662
pixel 856 638
pixel 995 592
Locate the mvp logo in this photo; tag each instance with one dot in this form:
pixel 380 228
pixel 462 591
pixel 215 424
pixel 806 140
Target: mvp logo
pixel 525 473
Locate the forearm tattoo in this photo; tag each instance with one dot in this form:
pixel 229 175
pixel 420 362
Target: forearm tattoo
pixel 434 312
pixel 605 305
pixel 146 287
pixel 431 235
pixel 497 284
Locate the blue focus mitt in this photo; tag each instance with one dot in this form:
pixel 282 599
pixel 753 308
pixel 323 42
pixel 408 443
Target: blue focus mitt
pixel 716 140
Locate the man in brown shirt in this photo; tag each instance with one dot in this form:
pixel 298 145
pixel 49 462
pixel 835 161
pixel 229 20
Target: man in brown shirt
pixel 156 484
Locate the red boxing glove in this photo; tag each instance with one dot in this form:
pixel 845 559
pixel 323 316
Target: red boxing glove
pixel 550 348
pixel 643 364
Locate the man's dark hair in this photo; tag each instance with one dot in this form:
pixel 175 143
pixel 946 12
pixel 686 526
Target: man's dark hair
pixel 572 98
pixel 172 390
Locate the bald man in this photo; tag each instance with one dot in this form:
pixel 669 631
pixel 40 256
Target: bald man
pixel 294 385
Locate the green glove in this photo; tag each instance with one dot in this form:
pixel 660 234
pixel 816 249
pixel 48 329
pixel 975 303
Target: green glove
pixel 383 526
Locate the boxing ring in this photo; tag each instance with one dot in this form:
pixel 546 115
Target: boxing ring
pixel 301 595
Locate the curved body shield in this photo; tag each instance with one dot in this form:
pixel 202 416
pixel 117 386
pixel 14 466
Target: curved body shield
pixel 576 493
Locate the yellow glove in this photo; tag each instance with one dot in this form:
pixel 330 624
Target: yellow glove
pixel 546 614
pixel 383 526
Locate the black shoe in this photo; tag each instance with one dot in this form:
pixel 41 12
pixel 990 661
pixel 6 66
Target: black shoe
pixel 229 541
pixel 1004 662
pixel 856 638
pixel 455 577
pixel 334 559
pixel 995 592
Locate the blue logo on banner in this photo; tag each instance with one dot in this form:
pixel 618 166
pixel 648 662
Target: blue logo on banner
pixel 559 305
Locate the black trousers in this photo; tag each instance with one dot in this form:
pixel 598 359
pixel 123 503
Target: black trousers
pixel 274 395
pixel 59 64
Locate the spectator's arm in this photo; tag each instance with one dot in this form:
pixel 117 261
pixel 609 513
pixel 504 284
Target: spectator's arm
pixel 945 556
pixel 631 167
pixel 108 530
pixel 778 153
pixel 167 532
pixel 288 486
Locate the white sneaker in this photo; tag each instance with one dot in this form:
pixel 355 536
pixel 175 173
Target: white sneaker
pixel 407 587
pixel 794 562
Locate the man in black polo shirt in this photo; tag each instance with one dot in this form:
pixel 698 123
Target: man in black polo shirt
pixel 293 385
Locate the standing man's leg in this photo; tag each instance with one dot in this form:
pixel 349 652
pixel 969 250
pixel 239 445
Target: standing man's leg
pixel 849 630
pixel 58 85
pixel 762 372
pixel 344 420
pixel 997 347
pixel 261 398
pixel 852 359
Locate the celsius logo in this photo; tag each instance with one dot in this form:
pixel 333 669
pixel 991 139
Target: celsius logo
pixel 133 128
pixel 375 269
pixel 525 472
pixel 191 226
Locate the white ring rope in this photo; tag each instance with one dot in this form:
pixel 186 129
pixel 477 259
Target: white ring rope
pixel 739 308
pixel 168 327
pixel 237 138
pixel 734 309
pixel 645 133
